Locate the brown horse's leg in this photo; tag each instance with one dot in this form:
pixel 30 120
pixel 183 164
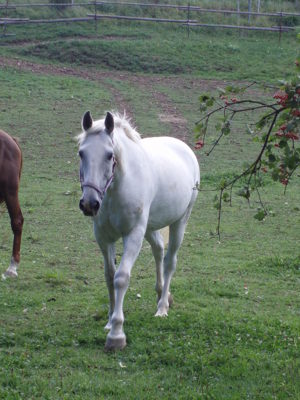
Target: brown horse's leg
pixel 16 219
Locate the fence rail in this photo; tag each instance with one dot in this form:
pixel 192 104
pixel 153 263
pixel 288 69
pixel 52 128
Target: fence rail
pixel 5 21
pixel 153 5
pixel 146 19
pixel 244 27
pixel 24 21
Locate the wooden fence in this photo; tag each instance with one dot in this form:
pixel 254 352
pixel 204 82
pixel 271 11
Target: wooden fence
pixel 188 9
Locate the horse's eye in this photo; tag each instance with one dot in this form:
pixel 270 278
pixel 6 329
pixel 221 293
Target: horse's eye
pixel 109 156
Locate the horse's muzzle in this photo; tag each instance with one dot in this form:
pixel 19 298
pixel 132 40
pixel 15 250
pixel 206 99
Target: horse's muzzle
pixel 89 208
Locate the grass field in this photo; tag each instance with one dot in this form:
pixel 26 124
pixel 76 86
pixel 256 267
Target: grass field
pixel 155 49
pixel 233 332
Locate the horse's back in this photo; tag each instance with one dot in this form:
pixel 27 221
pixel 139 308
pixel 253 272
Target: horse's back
pixel 172 155
pixel 9 146
pixel 10 161
pixel 176 174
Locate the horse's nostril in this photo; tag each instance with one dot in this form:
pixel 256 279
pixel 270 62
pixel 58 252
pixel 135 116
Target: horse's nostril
pixel 95 205
pixel 90 207
pixel 81 204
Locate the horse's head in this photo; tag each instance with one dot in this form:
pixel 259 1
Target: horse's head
pixel 97 162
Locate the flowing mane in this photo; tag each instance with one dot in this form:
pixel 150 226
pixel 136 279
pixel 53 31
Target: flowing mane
pixel 122 125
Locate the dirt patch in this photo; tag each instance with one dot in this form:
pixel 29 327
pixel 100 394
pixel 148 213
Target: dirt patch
pixel 169 112
pixel 171 118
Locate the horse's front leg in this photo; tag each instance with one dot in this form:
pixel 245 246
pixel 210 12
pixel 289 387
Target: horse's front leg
pixel 132 243
pixel 109 255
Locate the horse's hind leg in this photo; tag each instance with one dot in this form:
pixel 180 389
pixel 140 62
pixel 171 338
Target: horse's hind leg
pixel 16 219
pixel 175 239
pixel 156 242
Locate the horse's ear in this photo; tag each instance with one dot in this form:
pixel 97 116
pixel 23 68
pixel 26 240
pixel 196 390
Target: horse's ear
pixel 87 121
pixel 109 122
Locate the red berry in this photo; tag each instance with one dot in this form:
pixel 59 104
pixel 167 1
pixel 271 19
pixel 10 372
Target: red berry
pixel 296 113
pixel 291 135
pixel 284 181
pixel 199 144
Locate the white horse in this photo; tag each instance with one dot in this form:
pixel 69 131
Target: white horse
pixel 132 188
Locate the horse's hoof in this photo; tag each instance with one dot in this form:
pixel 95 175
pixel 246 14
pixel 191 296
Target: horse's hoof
pixel 162 310
pixel 117 343
pixel 10 273
pixel 161 313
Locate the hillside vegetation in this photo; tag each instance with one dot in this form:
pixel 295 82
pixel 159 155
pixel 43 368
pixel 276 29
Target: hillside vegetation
pixel 141 47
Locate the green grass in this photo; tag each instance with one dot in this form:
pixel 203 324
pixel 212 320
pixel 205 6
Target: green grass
pixel 233 332
pixel 234 329
pixel 155 48
pixel 208 54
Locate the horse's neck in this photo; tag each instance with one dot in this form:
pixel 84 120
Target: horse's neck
pixel 128 156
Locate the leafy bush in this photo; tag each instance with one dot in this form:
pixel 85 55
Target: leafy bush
pixel 277 130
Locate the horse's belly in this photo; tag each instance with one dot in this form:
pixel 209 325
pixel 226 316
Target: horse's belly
pixel 176 176
pixel 169 206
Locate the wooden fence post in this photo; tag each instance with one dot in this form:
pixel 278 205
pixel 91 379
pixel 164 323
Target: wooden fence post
pixel 188 17
pixel 6 14
pixel 249 10
pixel 96 22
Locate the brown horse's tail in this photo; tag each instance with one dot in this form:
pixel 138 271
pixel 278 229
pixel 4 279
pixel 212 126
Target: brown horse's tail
pixel 17 143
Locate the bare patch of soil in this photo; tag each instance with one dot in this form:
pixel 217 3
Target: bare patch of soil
pixel 170 114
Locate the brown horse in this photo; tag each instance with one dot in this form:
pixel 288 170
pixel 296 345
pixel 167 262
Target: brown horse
pixel 10 173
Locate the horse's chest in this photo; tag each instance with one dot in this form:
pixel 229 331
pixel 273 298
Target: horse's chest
pixel 119 219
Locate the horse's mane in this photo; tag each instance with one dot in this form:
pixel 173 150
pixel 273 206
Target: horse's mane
pixel 122 124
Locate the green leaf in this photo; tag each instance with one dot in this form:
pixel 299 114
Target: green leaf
pixel 260 215
pixel 204 97
pixel 245 192
pixel 282 143
pixel 217 205
pixel 210 102
pixel 232 89
pixel 291 162
pixel 226 128
pixel 272 158
pixel 200 129
pixel 218 126
pixel 256 139
pixel 226 197
pixel 222 184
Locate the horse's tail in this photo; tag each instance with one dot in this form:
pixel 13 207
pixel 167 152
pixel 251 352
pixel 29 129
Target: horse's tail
pixel 17 143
